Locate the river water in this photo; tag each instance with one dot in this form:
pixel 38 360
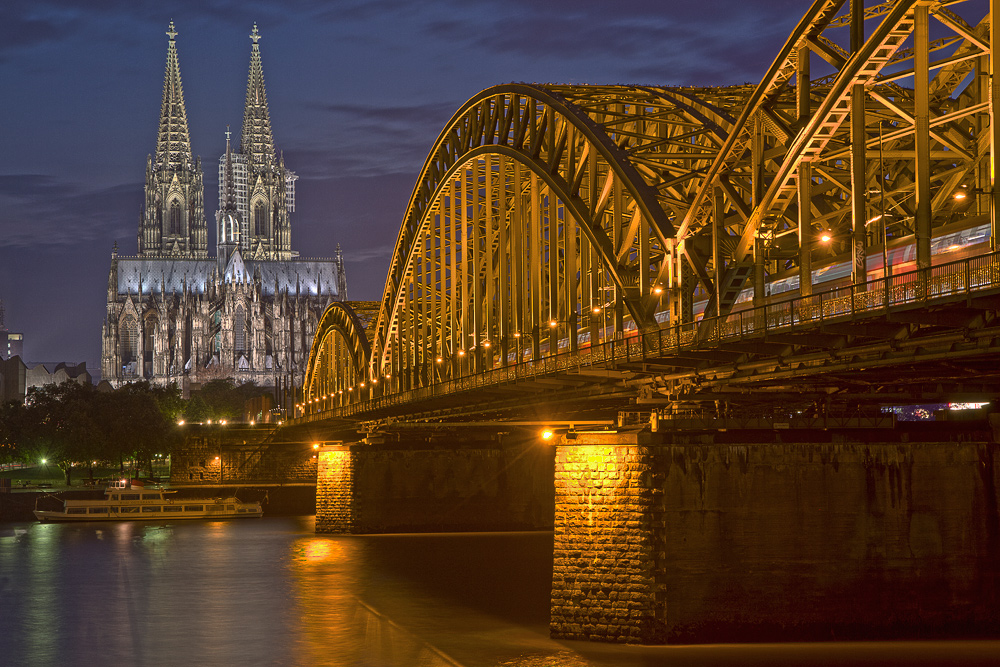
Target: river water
pixel 271 592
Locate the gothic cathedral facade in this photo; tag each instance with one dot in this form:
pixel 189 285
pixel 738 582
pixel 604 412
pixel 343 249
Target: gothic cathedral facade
pixel 177 314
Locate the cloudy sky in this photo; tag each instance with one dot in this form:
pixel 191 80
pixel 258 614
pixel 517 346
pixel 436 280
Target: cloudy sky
pixel 358 92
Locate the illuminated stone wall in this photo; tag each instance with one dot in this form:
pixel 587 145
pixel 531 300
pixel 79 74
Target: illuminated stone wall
pixel 707 538
pixel 603 575
pixel 420 486
pixel 335 490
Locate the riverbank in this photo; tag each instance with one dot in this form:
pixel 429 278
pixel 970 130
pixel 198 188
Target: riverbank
pixel 278 500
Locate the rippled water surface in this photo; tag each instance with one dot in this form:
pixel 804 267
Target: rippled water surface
pixel 270 592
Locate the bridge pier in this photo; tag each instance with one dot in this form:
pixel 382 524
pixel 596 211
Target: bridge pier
pixel 421 482
pixel 776 535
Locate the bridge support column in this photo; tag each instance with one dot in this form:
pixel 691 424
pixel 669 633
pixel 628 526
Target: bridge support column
pixel 434 482
pixel 776 535
pixel 604 565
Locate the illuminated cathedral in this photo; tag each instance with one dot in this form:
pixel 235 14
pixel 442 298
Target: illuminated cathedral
pixel 176 313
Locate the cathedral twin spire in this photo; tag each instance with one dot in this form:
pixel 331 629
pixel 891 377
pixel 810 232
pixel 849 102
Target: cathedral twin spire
pixel 173 222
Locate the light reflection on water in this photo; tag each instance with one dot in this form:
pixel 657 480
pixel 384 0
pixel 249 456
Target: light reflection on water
pixel 270 592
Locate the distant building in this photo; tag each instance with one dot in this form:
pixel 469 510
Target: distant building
pixel 56 372
pixel 17 377
pixel 177 314
pixel 11 344
pixel 13 379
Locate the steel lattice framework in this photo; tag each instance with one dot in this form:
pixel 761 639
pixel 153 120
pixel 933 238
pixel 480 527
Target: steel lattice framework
pixel 551 217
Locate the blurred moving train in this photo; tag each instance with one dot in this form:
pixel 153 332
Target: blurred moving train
pixel 952 242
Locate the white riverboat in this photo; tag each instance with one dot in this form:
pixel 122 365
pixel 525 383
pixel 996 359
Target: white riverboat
pixel 130 500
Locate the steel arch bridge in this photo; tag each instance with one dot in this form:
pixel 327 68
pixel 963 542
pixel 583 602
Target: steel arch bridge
pixel 552 219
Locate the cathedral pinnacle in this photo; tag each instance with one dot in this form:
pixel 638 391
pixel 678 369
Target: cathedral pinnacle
pixel 173 146
pixel 257 142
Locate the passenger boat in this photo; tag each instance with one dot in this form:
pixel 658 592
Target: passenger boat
pixel 130 500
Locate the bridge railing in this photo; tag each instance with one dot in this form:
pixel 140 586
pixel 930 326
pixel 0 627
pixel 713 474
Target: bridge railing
pixel 922 286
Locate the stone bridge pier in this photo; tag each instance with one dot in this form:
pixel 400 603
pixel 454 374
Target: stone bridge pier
pixel 776 535
pixel 427 481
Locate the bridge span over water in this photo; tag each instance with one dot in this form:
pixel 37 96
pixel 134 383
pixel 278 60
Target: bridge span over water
pixel 816 246
pixel 569 251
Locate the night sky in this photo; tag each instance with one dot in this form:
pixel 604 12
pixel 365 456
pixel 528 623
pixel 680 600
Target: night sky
pixel 358 92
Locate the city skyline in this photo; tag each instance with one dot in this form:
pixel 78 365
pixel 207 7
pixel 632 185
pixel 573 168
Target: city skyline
pixel 358 94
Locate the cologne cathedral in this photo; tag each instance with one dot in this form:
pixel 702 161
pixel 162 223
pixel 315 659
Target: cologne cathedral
pixel 177 314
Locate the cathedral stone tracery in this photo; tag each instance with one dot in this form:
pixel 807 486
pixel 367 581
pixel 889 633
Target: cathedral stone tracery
pixel 176 314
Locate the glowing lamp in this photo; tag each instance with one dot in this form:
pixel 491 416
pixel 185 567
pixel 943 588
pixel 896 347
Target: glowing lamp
pixel 553 324
pixel 825 238
pixel 547 434
pixel 180 422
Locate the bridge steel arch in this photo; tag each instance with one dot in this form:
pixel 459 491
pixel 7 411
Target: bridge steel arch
pixel 542 220
pixel 338 360
pixel 551 217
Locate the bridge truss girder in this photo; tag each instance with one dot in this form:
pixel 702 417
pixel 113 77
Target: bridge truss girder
pixel 548 217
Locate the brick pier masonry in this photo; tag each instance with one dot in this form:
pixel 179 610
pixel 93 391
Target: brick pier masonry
pixel 758 536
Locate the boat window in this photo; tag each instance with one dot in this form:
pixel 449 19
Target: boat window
pixel 98 510
pixel 128 510
pixel 230 508
pixel 151 496
pixel 130 496
pixel 114 497
pixel 172 508
pixel 150 508
pixel 76 510
pixel 215 508
pixel 194 508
